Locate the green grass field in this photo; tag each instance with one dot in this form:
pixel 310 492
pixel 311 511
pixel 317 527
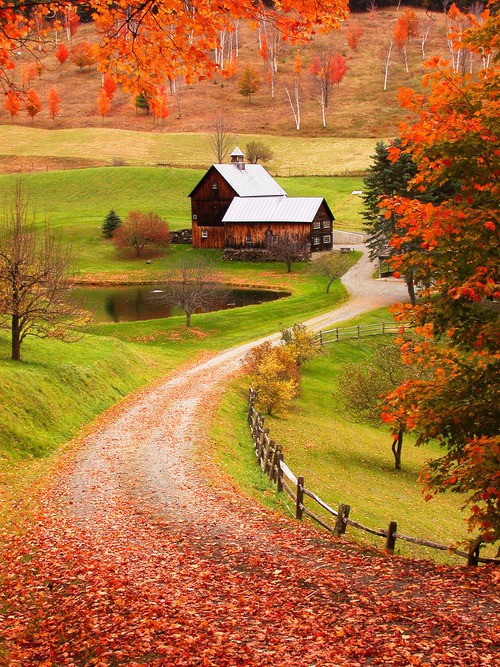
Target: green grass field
pixel 77 201
pixel 293 156
pixel 342 461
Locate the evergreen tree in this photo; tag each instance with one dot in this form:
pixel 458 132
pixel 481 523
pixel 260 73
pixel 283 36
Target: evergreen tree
pixel 111 222
pixel 388 178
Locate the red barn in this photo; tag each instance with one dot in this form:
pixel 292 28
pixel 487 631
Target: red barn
pixel 240 205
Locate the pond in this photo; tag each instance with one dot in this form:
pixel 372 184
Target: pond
pixel 145 302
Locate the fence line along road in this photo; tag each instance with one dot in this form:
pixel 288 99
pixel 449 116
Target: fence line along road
pixel 337 334
pixel 271 459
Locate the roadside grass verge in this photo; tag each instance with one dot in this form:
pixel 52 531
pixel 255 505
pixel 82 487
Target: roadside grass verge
pixel 293 156
pixel 342 461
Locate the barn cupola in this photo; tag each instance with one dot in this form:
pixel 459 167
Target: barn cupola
pixel 238 158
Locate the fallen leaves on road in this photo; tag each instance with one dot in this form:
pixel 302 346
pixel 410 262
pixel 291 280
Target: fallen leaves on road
pixel 136 561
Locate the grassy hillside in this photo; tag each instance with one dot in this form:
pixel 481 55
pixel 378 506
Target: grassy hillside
pixel 88 147
pixel 359 106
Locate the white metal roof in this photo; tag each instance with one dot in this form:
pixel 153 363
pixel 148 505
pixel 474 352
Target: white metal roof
pixel 273 209
pixel 252 181
pixel 237 152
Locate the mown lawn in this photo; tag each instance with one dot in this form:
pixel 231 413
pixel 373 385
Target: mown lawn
pixel 341 460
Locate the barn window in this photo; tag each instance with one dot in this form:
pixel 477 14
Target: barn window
pixel 248 240
pixel 326 224
pixel 316 224
pixel 204 234
pixel 195 217
pixel 316 240
pixel 327 239
pixel 214 186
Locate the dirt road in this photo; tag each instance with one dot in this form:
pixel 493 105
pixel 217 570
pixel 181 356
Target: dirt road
pixel 142 557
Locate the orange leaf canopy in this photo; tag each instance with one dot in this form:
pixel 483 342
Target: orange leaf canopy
pixel 142 44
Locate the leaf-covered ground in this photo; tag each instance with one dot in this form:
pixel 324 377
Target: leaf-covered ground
pixel 144 555
pixel 140 557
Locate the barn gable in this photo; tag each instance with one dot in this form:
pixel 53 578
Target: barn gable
pixel 237 204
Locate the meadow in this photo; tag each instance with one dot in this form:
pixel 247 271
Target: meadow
pixel 77 201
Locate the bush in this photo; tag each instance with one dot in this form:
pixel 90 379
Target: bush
pixel 274 375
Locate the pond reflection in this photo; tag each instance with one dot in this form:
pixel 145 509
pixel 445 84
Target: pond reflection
pixel 145 302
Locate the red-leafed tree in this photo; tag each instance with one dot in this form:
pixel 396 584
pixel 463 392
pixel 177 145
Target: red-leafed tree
pixel 71 20
pixel 33 103
pixel 62 53
pixel 103 103
pixel 54 102
pixel 109 85
pixel 328 68
pixel 455 138
pixel 12 104
pixel 140 231
pixel 353 34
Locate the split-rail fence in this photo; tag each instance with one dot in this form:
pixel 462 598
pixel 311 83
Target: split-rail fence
pixel 327 336
pixel 271 459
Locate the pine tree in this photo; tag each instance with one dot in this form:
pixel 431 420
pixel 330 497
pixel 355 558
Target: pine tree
pixel 111 222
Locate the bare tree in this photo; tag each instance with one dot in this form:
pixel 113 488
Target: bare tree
pixel 35 270
pixel 287 248
pixel 194 286
pixel 258 150
pixel 331 265
pixel 220 138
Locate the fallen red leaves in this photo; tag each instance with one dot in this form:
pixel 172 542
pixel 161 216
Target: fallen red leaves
pixel 134 561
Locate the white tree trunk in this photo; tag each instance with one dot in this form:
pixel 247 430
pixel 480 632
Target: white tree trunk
pixel 388 63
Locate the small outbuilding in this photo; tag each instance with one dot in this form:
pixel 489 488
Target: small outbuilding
pixel 240 205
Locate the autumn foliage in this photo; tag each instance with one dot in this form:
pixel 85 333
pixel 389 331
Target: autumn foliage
pixel 140 231
pixel 452 249
pixel 62 53
pixel 138 40
pixel 32 104
pixel 54 102
pixel 12 104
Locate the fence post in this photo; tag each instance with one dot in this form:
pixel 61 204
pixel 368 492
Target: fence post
pixel 341 524
pixel 299 506
pixel 280 472
pixel 391 539
pixel 473 559
pixel 337 334
pixel 359 331
pixel 383 327
pixel 321 338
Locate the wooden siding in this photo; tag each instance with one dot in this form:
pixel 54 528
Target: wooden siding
pixel 214 236
pixel 319 237
pixel 253 234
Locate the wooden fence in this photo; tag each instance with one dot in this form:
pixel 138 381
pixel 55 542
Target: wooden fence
pixel 327 336
pixel 270 457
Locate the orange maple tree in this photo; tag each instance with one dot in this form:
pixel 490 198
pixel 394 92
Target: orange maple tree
pixel 12 104
pixel 138 40
pixel 455 262
pixel 103 103
pixel 54 102
pixel 33 103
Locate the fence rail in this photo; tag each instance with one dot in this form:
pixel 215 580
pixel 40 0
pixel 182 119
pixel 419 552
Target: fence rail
pixel 271 459
pixel 327 336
